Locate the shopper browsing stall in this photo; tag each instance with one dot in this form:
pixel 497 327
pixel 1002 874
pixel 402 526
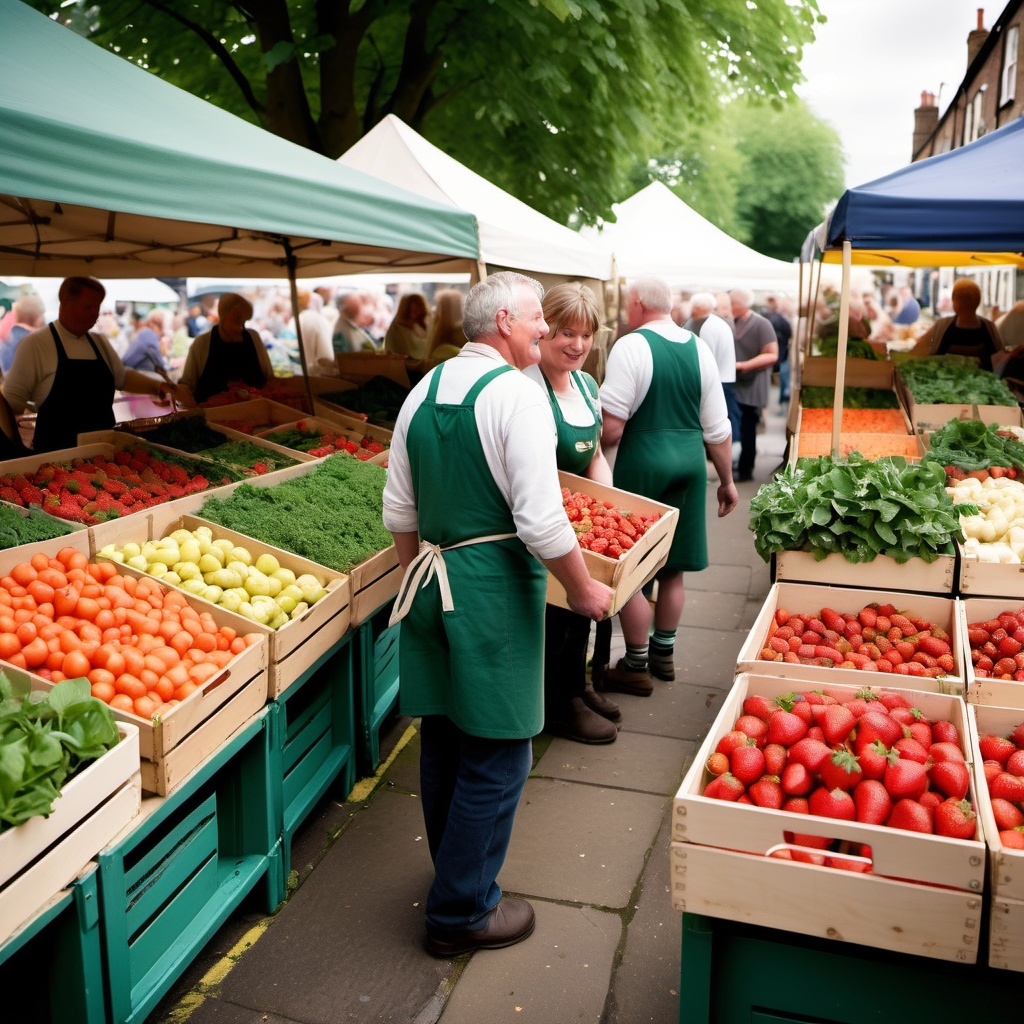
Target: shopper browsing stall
pixel 473 502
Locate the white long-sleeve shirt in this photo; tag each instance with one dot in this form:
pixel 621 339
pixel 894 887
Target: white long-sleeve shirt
pixel 631 368
pixel 517 434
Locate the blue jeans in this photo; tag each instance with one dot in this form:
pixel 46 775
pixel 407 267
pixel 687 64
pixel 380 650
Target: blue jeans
pixel 470 790
pixel 784 381
pixel 733 408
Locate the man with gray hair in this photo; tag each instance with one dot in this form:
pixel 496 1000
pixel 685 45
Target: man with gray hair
pixel 756 351
pixel 474 504
pixel 711 328
pixel 664 406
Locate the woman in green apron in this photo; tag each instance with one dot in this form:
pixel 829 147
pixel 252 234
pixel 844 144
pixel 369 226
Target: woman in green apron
pixel 572 708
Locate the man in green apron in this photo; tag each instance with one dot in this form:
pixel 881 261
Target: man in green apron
pixel 474 504
pixel 664 406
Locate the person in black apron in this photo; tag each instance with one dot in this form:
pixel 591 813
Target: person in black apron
pixel 572 708
pixel 71 374
pixel 965 333
pixel 227 353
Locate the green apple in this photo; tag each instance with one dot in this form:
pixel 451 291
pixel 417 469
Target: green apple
pixel 203 531
pixel 275 586
pixel 242 568
pixel 279 620
pixel 256 583
pixel 210 562
pixel 149 551
pixel 130 550
pixel 116 556
pixel 241 555
pixel 286 604
pixel 157 569
pixel 246 609
pixel 267 563
pixel 285 575
pixel 227 579
pixel 224 545
pixel 108 549
pixel 312 589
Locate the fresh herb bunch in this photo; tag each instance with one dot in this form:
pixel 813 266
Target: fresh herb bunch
pixel 45 738
pixel 856 348
pixel 953 380
pixel 972 444
pixel 816 397
pixel 18 528
pixel 331 515
pixel 857 508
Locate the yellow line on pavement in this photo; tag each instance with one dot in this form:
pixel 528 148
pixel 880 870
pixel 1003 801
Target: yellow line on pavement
pixel 364 787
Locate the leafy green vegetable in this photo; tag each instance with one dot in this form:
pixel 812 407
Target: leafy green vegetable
pixel 857 508
pixel 45 738
pixel 379 398
pixel 17 527
pixel 331 515
pixel 955 380
pixel 972 444
pixel 855 348
pixel 192 434
pixel 816 397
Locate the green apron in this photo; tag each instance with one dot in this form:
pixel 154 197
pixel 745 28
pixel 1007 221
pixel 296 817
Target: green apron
pixel 576 445
pixel 472 640
pixel 661 454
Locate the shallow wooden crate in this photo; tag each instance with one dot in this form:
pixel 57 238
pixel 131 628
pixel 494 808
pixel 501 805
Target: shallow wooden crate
pixel 812 445
pixel 803 597
pixel 1006 866
pixel 931 416
pixel 294 647
pixel 881 573
pixel 990 579
pixel 10 557
pixel 1006 934
pixel 374 583
pixel 1006 693
pixel 363 366
pixel 35 510
pixel 924 895
pixel 625 575
pixel 261 412
pixel 354 421
pixel 43 855
pixel 354 432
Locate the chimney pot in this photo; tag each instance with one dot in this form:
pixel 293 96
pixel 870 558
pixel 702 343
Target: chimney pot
pixel 981 17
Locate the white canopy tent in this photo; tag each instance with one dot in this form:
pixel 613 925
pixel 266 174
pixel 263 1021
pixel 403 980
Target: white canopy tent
pixel 513 235
pixel 656 234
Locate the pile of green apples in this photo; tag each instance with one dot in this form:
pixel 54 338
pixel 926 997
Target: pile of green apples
pixel 225 574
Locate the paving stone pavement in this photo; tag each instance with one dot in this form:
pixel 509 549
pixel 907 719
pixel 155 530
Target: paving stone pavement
pixel 590 849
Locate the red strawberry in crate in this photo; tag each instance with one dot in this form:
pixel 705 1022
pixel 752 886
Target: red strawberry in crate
pixel 724 787
pixel 754 727
pixel 876 725
pixel 759 706
pixel 946 751
pixel 834 803
pixel 775 756
pixel 747 763
pixel 951 778
pixel 717 764
pixel 809 752
pixel 873 804
pixel 1013 838
pixel 767 792
pixel 910 815
pixel 904 778
pixel 785 727
pixel 955 819
pixel 1007 815
pixel 733 738
pixel 873 759
pixel 996 748
pixel 841 770
pixel 796 780
pixel 911 749
pixel 837 723
pixel 1009 787
pixel 1017 736
pixel 1015 763
pixel 945 732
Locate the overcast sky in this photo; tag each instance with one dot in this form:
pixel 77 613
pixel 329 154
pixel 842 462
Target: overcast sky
pixel 869 64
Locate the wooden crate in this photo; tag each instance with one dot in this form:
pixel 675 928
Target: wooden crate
pixel 881 573
pixel 1006 934
pixel 625 575
pixel 42 856
pixel 803 597
pixel 812 445
pixel 261 412
pixel 1006 866
pixel 297 645
pixel 374 583
pixel 363 366
pixel 353 432
pixel 1006 693
pixel 79 540
pixel 924 895
pixel 990 579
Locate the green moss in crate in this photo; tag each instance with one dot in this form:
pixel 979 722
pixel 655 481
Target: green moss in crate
pixel 17 528
pixel 331 515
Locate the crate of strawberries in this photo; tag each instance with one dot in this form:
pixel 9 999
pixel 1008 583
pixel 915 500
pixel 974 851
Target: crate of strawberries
pixel 855 808
pixel 318 437
pixel 991 635
pixel 625 537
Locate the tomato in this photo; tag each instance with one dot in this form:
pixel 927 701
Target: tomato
pixel 122 702
pixel 87 608
pixel 39 561
pixel 131 685
pixel 23 574
pixel 75 664
pixel 9 645
pixel 35 653
pixel 40 592
pixel 72 558
pixel 27 632
pixel 103 691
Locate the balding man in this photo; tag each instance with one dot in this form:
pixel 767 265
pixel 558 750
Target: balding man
pixel 756 351
pixel 711 328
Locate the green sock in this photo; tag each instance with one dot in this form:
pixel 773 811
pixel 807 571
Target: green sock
pixel 663 641
pixel 636 656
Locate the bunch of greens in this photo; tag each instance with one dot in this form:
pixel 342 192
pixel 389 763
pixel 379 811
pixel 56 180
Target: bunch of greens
pixel 192 434
pixel 956 380
pixel 45 738
pixel 331 515
pixel 815 397
pixel 379 399
pixel 28 527
pixel 856 348
pixel 857 508
pixel 972 444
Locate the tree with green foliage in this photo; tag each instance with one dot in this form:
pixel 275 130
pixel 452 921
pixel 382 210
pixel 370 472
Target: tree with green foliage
pixel 553 100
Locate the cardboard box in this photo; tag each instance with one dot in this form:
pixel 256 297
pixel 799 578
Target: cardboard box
pixel 799 598
pixel 881 573
pixel 625 575
pixel 1006 866
pixel 1006 693
pixel 43 855
pixel 924 895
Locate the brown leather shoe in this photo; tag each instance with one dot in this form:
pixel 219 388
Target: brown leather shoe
pixel 622 679
pixel 581 724
pixel 601 704
pixel 511 921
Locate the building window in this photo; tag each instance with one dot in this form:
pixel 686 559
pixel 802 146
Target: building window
pixel 1007 87
pixel 974 125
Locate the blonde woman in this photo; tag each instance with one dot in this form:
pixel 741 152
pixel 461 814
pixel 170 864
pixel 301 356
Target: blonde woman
pixel 445 337
pixel 407 334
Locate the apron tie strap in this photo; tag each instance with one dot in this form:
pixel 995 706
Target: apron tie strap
pixel 424 567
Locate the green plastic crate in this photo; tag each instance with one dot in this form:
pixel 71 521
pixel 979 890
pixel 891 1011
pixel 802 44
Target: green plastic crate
pixel 377 681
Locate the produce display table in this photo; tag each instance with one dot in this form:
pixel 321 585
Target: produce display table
pixel 732 972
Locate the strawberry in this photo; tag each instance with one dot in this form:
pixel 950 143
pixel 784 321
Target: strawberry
pixel 747 763
pixel 1013 838
pixel 904 778
pixel 752 726
pixel 817 697
pixel 809 752
pixel 1015 763
pixel 955 819
pixel 759 706
pixel 1007 815
pixel 951 778
pixel 795 805
pixel 785 727
pixel 905 715
pixel 775 755
pixel 1017 736
pixel 933 646
pixel 996 748
pixel 911 749
pixel 991 769
pixel 873 758
pixel 767 792
pixel 920 731
pixel 840 771
pixel 912 816
pixel 946 751
pixel 733 738
pixel 717 764
pixel 835 803
pixel 876 725
pixel 1009 787
pixel 931 798
pixel 837 723
pixel 945 732
pixel 796 780
pixel 872 802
